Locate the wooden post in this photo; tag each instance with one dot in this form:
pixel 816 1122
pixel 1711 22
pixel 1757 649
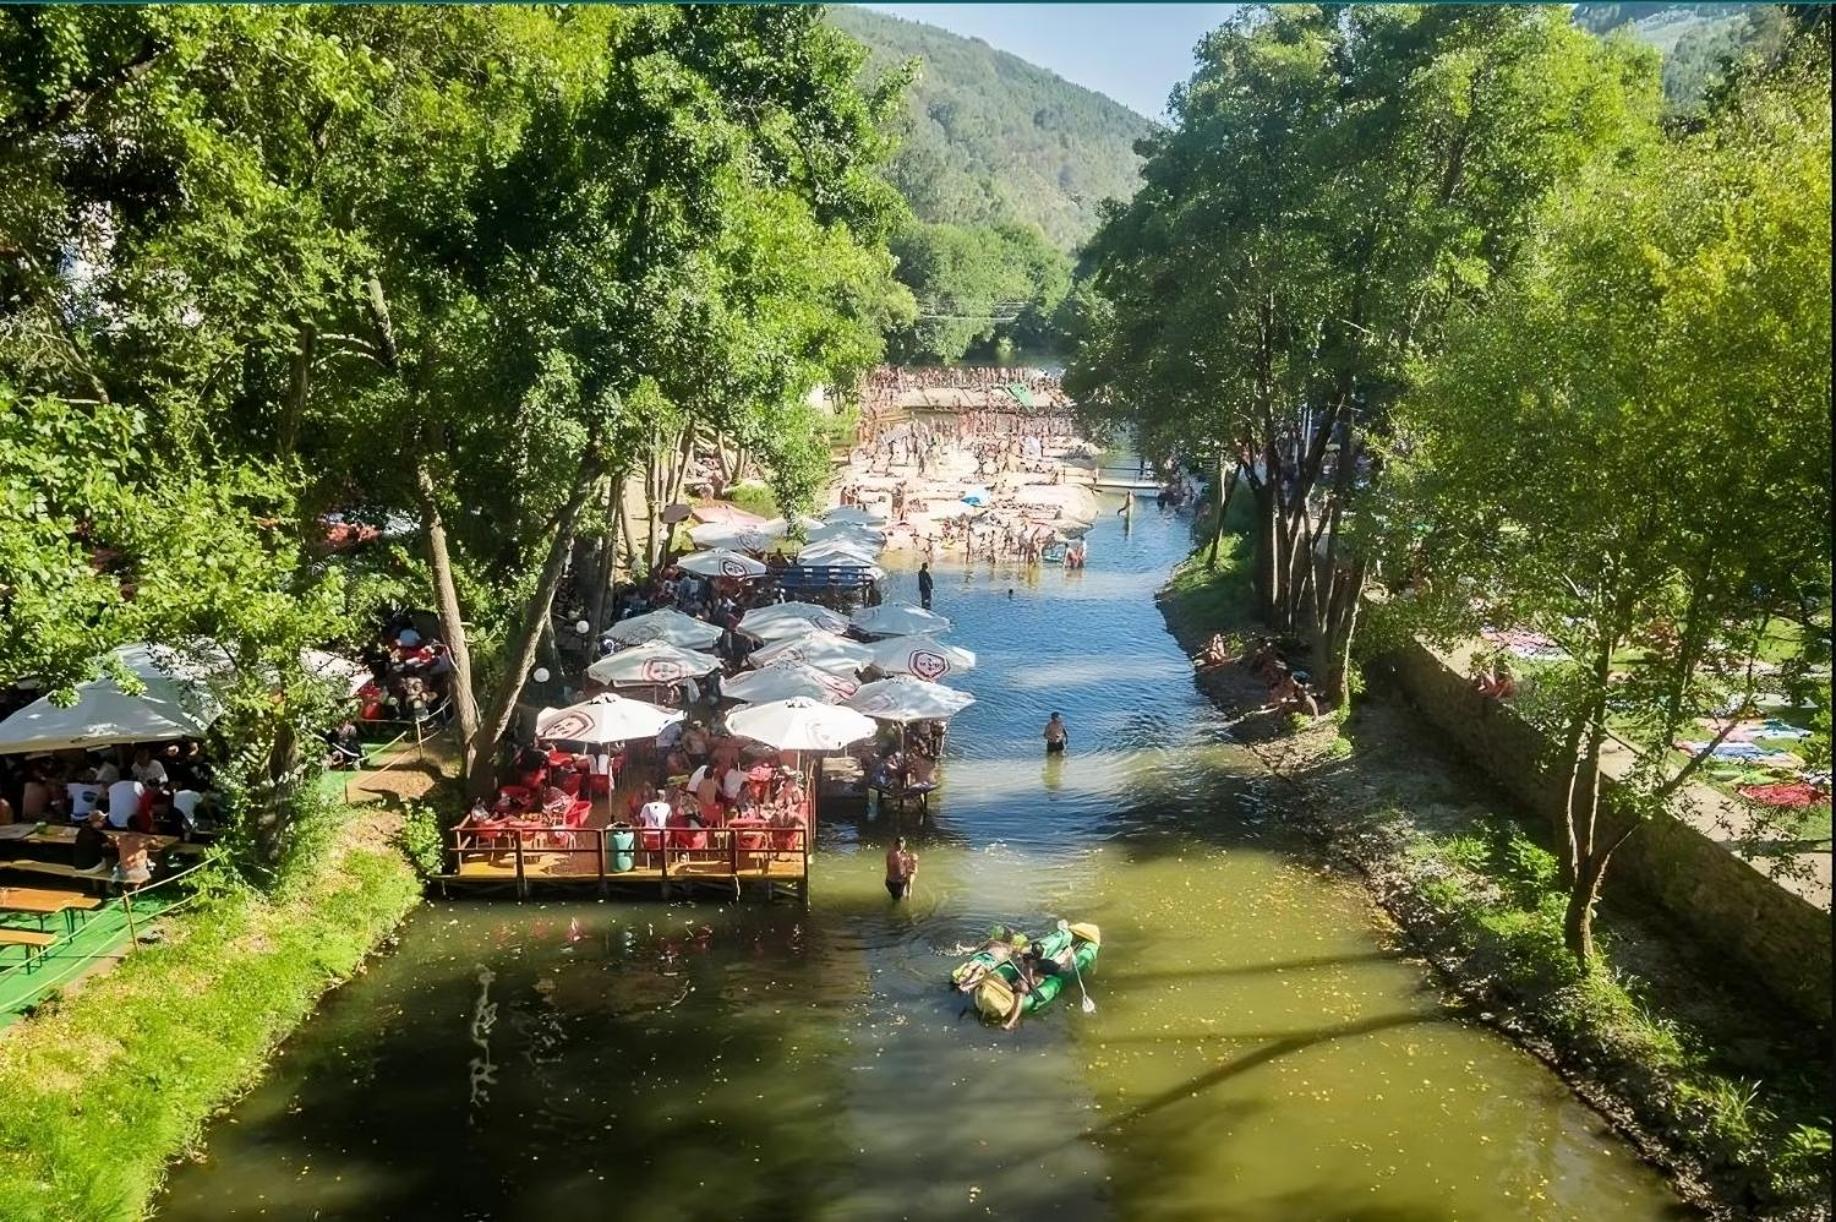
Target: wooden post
pixel 127 906
pixel 522 883
pixel 599 834
pixel 663 856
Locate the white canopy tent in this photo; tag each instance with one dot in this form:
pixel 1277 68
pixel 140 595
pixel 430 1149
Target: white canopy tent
pixel 176 703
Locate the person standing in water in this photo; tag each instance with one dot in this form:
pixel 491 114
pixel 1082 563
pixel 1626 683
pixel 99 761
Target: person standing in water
pixel 901 869
pixel 925 585
pixel 1056 735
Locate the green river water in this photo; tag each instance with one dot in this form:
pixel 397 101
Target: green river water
pixel 1257 1052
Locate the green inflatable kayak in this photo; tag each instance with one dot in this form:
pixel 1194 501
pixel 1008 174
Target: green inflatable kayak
pixel 1009 976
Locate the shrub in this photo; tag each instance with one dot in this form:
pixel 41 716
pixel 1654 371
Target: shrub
pixel 422 839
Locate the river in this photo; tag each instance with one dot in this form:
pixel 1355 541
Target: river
pixel 1257 1051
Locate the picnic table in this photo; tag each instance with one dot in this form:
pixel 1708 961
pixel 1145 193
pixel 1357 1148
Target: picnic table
pixel 41 903
pixel 64 836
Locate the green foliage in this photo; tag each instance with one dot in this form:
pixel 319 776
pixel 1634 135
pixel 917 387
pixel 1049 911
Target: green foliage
pixel 968 280
pixel 987 139
pixel 422 839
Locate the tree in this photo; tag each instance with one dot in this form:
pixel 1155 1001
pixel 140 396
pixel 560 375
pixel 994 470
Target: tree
pixel 1338 180
pixel 1627 447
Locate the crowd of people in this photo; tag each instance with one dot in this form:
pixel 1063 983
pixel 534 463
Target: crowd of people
pixel 165 788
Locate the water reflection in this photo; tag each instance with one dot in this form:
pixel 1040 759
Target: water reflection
pixel 1256 1053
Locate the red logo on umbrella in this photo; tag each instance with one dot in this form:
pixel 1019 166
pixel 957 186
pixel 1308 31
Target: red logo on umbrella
pixel 569 726
pixel 928 663
pixel 732 568
pixel 662 670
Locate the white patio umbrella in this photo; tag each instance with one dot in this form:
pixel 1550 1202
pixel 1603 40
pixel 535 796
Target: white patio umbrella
pixel 657 662
pixel 801 725
pixel 924 656
pixel 788 619
pixel 176 703
pixel 788 680
pixel 349 673
pixel 903 698
pixel 606 718
pixel 823 650
pixel 839 553
pixel 856 514
pixel 848 532
pixel 722 562
pixel 667 625
pixel 740 536
pixel 898 619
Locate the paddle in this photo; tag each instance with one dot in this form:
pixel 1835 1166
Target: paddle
pixel 1089 1007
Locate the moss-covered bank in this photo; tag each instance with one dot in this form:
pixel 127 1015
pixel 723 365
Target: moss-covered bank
pixel 101 1089
pixel 1726 1095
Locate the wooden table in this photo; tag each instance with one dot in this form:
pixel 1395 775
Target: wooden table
pixel 42 903
pixel 65 837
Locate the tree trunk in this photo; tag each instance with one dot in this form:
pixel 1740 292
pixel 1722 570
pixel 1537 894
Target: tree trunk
pixel 1226 484
pixel 481 753
pixel 608 557
pixel 452 618
pixel 1268 568
pixel 1578 917
pixel 299 385
pixel 1583 820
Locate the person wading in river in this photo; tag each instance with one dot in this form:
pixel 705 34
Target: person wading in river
pixel 1056 735
pixel 901 869
pixel 925 585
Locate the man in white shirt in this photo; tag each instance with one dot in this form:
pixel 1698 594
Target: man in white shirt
pixel 653 816
pixel 83 798
pixel 186 802
pixel 107 771
pixel 124 802
pixel 731 782
pixel 147 770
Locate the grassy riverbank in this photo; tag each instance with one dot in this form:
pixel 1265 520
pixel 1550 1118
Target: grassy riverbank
pixel 102 1088
pixel 1707 1079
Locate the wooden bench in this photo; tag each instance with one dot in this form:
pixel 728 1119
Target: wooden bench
pixel 34 943
pixel 57 869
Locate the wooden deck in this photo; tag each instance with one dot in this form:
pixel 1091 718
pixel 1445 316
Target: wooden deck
pixel 730 861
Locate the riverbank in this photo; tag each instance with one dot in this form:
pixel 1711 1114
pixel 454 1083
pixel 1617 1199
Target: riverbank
pixel 1709 1084
pixel 102 1088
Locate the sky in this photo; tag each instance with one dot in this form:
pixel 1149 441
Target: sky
pixel 1135 53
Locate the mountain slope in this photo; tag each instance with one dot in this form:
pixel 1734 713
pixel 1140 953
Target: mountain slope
pixel 1694 39
pixel 991 138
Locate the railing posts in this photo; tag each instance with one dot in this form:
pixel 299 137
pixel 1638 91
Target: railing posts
pixel 663 856
pixel 599 834
pixel 522 883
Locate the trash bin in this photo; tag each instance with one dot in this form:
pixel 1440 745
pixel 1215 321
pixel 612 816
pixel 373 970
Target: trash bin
pixel 624 842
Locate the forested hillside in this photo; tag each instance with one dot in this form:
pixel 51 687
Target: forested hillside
pixel 1005 166
pixel 1694 39
pixel 990 138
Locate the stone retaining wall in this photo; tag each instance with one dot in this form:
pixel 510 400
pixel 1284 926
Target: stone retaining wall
pixel 1761 928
